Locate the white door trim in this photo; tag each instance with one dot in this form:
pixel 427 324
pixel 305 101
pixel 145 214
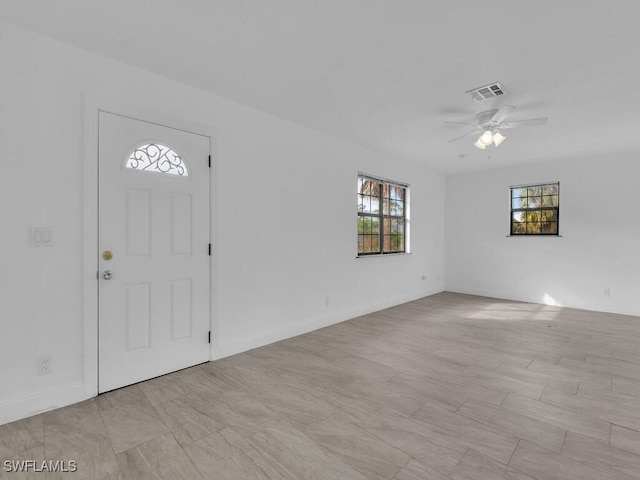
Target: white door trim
pixel 92 105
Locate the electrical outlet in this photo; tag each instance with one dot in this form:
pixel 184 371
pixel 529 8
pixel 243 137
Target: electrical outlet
pixel 607 292
pixel 424 277
pixel 44 364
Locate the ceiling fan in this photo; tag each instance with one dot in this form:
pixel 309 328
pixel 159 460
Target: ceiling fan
pixel 490 124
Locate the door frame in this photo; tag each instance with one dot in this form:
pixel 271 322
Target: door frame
pixel 92 106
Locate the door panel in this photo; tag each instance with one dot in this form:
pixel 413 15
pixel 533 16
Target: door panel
pixel 154 219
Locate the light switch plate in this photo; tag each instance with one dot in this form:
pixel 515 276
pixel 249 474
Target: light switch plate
pixel 41 237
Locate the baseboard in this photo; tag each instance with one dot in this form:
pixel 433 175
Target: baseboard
pixel 44 401
pixel 227 348
pixel 619 309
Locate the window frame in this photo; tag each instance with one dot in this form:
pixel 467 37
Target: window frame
pixel 381 216
pixel 541 208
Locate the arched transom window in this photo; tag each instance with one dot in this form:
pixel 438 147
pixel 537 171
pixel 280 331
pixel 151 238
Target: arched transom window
pixel 155 157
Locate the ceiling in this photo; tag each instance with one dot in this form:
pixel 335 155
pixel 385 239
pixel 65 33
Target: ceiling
pixel 386 74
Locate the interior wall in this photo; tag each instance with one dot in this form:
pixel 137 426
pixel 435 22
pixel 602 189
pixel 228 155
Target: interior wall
pixel 284 208
pixel 597 250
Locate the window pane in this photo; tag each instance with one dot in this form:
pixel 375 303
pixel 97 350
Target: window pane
pixel 385 206
pixel 533 227
pixel 517 228
pixel 534 202
pixel 534 191
pixel 532 216
pixel 519 203
pixel 368 225
pixel 370 187
pixel 366 204
pixel 549 215
pixel 396 243
pixel 518 216
pixel 375 243
pixel 360 243
pixel 397 207
pixel 375 205
pixel 518 192
pixel 367 243
pixel 397 193
pixel 371 243
pixel 386 226
pixel 550 189
pixel 550 227
pixel 393 243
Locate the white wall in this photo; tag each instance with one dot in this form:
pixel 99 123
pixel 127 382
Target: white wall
pixel 598 247
pixel 284 218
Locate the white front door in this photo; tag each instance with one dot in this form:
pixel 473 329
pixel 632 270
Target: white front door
pixel 153 235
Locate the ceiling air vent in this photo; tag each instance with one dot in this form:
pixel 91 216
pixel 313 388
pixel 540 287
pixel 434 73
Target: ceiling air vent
pixel 486 91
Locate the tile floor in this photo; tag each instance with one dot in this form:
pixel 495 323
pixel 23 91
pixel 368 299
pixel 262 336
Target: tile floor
pixel 447 387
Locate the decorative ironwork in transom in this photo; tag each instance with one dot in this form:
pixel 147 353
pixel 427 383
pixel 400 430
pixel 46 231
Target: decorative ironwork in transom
pixel 155 157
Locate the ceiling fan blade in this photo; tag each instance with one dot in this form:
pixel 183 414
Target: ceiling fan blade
pixel 474 132
pixel 532 122
pixel 461 123
pixel 501 114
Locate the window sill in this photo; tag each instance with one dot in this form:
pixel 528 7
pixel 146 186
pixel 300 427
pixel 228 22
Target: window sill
pixel 378 255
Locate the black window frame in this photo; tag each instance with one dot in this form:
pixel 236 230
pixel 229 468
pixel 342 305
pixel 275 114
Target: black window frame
pixel 383 215
pixel 536 208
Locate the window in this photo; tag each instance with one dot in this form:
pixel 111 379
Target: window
pixel 154 157
pixel 535 209
pixel 382 216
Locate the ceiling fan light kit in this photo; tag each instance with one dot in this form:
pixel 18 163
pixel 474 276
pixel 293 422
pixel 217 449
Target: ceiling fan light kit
pixel 498 138
pixel 489 137
pixel 490 123
pixel 486 138
pixel 480 145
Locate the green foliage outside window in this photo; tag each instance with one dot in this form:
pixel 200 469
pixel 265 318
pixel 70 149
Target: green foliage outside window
pixel 381 216
pixel 535 209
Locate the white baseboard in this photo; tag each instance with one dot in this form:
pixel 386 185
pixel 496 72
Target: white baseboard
pixel 230 347
pixel 46 400
pixel 610 307
pixel 40 402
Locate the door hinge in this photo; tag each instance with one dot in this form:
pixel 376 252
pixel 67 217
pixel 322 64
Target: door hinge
pixel 209 249
pixel 209 161
pixel 209 336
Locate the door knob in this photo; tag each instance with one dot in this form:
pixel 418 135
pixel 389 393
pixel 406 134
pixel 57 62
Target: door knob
pixel 106 274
